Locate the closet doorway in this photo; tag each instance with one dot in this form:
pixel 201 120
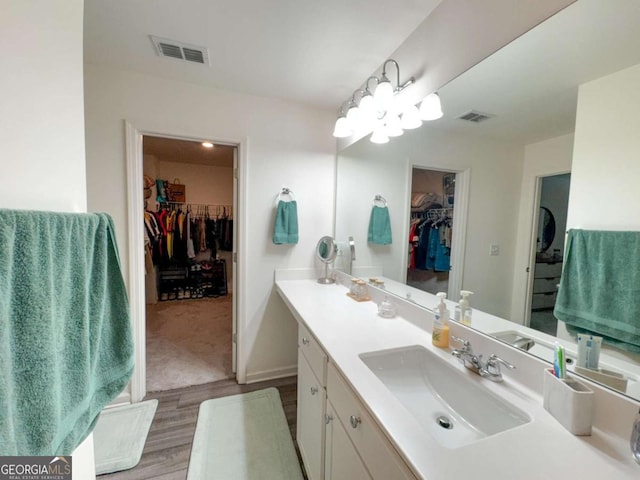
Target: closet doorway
pixel 552 203
pixel 431 229
pixel 189 244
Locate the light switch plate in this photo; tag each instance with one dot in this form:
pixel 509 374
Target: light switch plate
pixel 494 250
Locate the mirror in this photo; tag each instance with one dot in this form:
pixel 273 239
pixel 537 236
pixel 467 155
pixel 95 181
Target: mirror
pixel 532 96
pixel 326 251
pixel 546 229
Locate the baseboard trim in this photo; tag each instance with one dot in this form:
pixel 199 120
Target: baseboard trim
pixel 123 399
pixel 272 374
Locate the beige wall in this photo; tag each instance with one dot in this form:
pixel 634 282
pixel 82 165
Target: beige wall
pixel 204 183
pixel 42 121
pixel 605 179
pixel 285 145
pixel 41 111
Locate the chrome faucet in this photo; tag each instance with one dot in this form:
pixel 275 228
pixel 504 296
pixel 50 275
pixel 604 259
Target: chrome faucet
pixel 489 369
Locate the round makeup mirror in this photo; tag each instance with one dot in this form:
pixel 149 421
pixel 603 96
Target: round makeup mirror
pixel 326 251
pixel 546 229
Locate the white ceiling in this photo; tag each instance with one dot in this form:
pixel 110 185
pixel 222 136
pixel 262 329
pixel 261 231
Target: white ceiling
pixel 532 83
pixel 313 52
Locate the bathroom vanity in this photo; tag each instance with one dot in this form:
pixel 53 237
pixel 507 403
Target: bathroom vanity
pixel 365 409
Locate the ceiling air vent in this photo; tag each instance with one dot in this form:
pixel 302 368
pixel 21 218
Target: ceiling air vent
pixel 475 116
pixel 180 51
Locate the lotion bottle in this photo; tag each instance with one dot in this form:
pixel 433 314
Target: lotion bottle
pixel 440 332
pixel 463 311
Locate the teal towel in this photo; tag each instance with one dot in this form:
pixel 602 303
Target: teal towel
pixel 600 286
pixel 66 348
pixel 285 229
pixel 379 226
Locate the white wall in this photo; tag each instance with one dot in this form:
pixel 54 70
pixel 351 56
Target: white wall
pixel 605 178
pixel 42 120
pixel 548 157
pixel 41 112
pixel 365 169
pixel 286 145
pixel 605 174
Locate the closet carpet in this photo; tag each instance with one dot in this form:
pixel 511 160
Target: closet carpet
pixel 188 342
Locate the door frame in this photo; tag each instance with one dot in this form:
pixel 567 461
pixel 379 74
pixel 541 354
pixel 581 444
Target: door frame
pixel 135 241
pixel 459 235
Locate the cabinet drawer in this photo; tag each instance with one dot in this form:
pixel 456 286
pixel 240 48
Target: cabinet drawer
pixel 545 285
pixel 543 300
pixel 380 457
pixel 313 353
pixel 544 270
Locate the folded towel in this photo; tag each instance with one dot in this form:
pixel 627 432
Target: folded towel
pixel 285 229
pixel 600 286
pixel 379 226
pixel 66 347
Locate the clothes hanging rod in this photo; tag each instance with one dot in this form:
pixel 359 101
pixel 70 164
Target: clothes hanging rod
pixel 198 204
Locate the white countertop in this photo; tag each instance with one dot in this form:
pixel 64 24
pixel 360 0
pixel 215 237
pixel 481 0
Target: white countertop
pixel 543 348
pixel 539 449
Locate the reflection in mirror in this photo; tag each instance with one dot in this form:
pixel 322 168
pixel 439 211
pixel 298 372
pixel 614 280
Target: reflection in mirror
pixel 546 229
pixel 326 251
pixel 561 98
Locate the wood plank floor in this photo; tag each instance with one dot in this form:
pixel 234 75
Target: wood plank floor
pixel 166 453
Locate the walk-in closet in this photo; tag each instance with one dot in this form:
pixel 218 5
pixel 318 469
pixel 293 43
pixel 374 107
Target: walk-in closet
pixel 188 190
pixel 430 229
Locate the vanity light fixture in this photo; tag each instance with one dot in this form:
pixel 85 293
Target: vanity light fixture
pixel 342 128
pixel 381 111
pixel 207 144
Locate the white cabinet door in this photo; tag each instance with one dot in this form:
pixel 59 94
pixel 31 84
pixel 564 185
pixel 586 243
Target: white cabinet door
pixel 311 420
pixel 342 461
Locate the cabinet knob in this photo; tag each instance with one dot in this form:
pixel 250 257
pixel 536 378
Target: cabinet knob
pixel 305 341
pixel 328 418
pixel 314 390
pixel 355 421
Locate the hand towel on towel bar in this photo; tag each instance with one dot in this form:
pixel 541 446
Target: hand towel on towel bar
pixel 66 348
pixel 379 226
pixel 285 229
pixel 600 286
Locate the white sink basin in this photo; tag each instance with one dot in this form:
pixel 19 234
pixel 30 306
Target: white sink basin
pixel 453 409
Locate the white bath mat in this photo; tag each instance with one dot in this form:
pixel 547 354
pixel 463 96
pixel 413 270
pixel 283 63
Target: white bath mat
pixel 243 437
pixel 120 435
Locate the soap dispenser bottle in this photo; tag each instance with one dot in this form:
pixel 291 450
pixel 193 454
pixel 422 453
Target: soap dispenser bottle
pixel 463 311
pixel 635 438
pixel 440 332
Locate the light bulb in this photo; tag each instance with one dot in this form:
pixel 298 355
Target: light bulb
pixel 342 129
pixel 383 94
pixel 207 144
pixel 431 109
pixel 379 136
pixel 353 117
pixel 367 106
pixel 392 126
pixel 410 118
